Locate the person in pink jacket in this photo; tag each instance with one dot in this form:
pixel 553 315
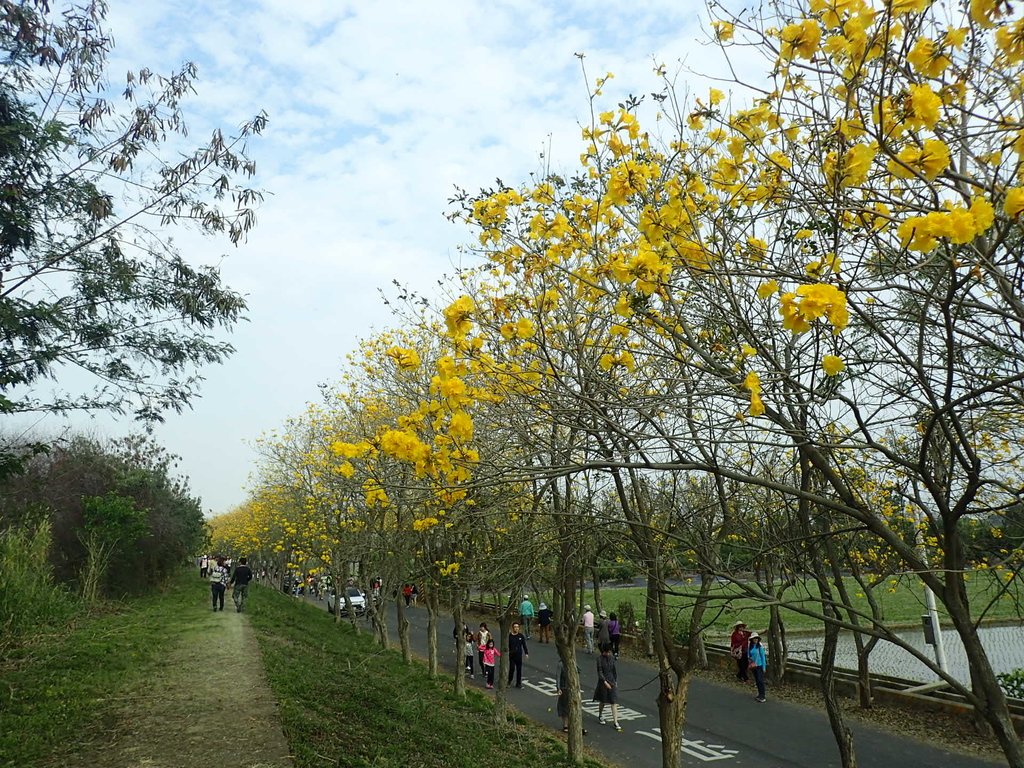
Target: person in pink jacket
pixel 491 655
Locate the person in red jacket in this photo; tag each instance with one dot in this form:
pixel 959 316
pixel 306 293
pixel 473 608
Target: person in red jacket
pixel 738 642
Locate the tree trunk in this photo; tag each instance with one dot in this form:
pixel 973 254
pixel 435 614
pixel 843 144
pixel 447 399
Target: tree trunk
pixel 673 674
pixel 865 695
pixel 776 645
pixel 649 631
pixel 432 633
pixel 697 654
pixel 672 699
pixel 403 630
pixel 460 642
pixel 991 704
pixel 501 673
pixel 380 627
pixel 566 618
pixel 843 736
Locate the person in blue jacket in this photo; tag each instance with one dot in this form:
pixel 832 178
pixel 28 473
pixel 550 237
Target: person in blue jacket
pixel 758 664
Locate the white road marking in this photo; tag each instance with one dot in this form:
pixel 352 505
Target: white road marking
pixel 693 747
pixel 697 748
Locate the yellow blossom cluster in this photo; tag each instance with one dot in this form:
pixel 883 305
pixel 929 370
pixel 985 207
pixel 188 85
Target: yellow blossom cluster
pixel 753 383
pixel 809 303
pixel 957 224
pixel 407 359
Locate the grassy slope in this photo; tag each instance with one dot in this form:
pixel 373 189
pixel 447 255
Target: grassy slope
pixel 57 688
pixel 342 700
pixel 346 702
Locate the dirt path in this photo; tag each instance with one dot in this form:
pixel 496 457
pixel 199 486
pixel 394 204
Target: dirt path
pixel 207 703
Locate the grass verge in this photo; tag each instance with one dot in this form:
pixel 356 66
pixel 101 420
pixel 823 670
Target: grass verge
pixel 58 686
pixel 346 702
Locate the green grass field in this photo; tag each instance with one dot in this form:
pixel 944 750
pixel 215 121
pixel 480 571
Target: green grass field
pixel 902 602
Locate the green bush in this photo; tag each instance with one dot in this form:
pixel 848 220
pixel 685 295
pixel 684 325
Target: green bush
pixel 1013 683
pixel 29 596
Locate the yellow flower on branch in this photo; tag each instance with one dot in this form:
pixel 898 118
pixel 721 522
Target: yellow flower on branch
pixel 456 317
pixel 424 524
pixel 800 41
pixel 811 302
pixel 375 495
pixel 767 289
pixel 923 107
pixel 832 365
pixel 723 30
pixel 350 450
pixel 1013 204
pixel 929 160
pixel 461 427
pixel 928 58
pixel 856 163
pixel 833 11
pixel 406 359
pixel 752 382
pixel 986 12
pixel 901 7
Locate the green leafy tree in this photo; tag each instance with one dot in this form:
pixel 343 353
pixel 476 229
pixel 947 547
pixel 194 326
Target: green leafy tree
pixel 90 189
pixel 111 523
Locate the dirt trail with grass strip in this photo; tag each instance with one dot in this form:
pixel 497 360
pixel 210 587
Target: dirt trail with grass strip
pixel 206 703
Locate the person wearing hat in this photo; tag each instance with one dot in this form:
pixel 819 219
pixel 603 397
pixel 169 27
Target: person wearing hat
pixel 526 613
pixel 758 663
pixel 738 642
pixel 588 628
pixel 544 616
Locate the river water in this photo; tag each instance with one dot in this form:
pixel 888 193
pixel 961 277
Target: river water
pixel 1005 646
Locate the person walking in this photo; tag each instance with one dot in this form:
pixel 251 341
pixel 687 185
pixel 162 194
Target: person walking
pixel 516 651
pixel 607 691
pixel 482 636
pixel 240 583
pixel 218 583
pixel 739 642
pixel 563 691
pixel 544 616
pixel 204 567
pixel 601 630
pixel 758 665
pixel 614 633
pixel 588 628
pixel 526 614
pixel 490 655
pixel 470 650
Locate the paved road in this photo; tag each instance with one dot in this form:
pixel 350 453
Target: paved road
pixel 725 726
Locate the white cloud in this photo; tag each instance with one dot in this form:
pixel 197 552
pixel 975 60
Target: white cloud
pixel 377 110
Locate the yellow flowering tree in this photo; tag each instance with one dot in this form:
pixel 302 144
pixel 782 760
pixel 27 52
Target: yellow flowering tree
pixel 832 264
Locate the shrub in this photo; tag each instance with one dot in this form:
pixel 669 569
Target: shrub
pixel 29 596
pixel 1012 683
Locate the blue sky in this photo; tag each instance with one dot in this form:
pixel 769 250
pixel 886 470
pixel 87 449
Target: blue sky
pixel 377 110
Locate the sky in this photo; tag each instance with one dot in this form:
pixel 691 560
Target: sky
pixel 377 111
